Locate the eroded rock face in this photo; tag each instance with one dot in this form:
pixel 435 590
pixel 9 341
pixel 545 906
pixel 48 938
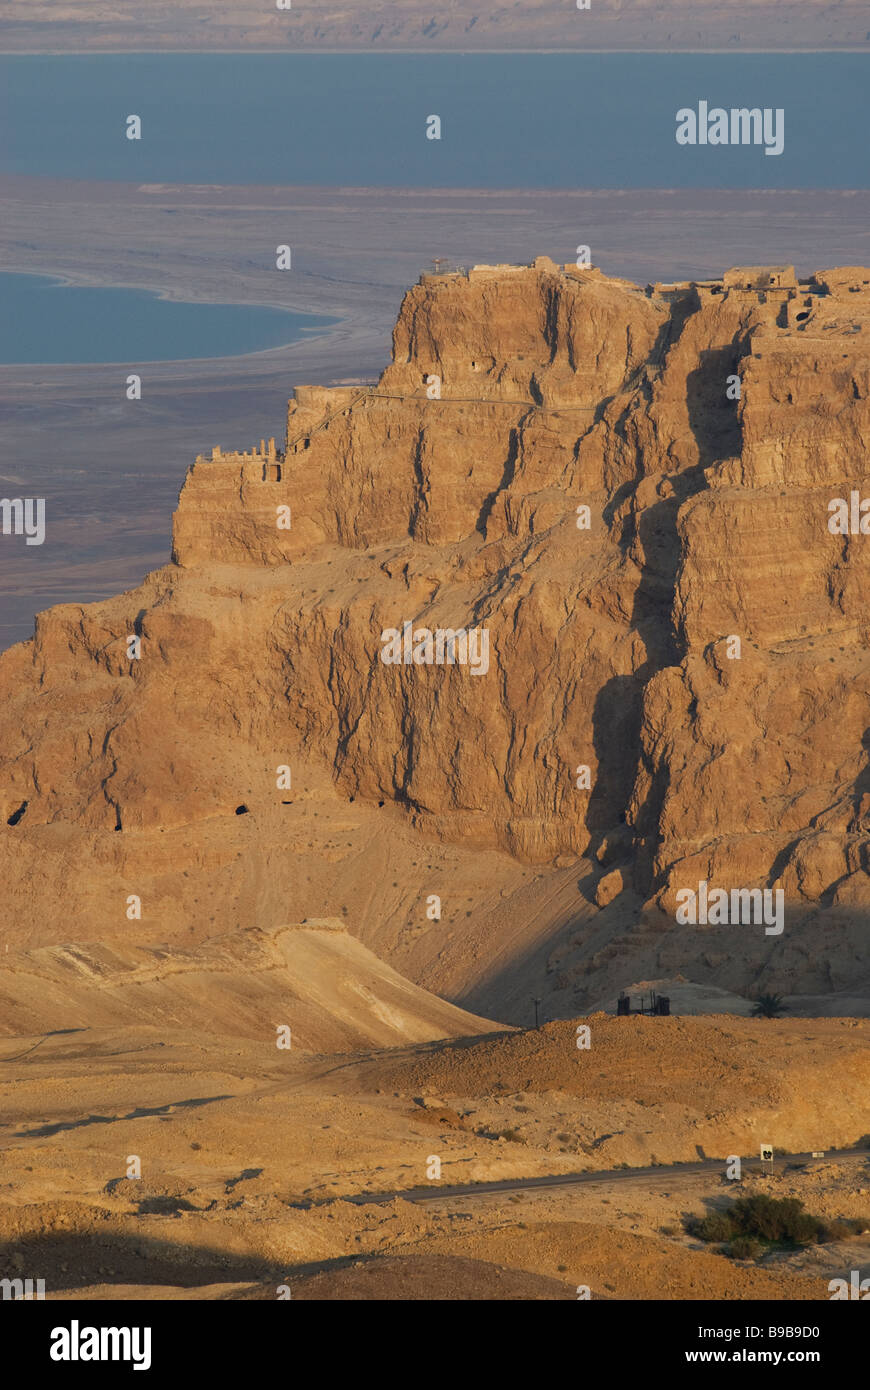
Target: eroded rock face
pixel 700 646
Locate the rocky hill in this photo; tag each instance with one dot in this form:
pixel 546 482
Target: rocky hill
pixel 641 505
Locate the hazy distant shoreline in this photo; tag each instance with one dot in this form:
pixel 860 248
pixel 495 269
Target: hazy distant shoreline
pixel 415 27
pixel 669 51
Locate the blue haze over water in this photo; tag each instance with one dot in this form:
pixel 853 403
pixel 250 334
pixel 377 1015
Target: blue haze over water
pixel 509 120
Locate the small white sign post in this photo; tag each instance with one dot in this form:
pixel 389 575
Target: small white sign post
pixel 767 1155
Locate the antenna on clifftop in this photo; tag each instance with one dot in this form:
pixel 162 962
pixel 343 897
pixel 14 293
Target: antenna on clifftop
pixel 440 265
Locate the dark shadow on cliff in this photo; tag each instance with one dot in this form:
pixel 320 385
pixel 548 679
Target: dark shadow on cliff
pixel 507 478
pixel 712 416
pixel 615 738
pixel 716 432
pixel 653 533
pixel 597 953
pixel 507 996
pixel 861 794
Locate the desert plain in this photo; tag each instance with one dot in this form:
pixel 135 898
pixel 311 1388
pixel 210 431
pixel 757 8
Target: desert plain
pixel 250 1161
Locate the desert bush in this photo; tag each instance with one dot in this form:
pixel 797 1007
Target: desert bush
pixel 774 1220
pixel 745 1248
pixel 716 1226
pixel 843 1228
pixel 780 1219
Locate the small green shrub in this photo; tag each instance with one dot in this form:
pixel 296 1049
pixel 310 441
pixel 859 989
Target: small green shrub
pixel 771 1220
pixel 714 1227
pixel 780 1219
pixel 745 1248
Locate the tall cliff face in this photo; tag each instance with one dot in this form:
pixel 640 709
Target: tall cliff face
pixel 763 769
pixel 451 495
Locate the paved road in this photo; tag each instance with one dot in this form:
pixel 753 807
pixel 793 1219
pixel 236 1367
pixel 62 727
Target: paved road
pixel 662 1173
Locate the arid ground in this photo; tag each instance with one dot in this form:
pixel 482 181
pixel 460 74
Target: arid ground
pixel 249 1154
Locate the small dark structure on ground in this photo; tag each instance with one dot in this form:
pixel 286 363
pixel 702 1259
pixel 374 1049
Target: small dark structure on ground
pixel 658 1005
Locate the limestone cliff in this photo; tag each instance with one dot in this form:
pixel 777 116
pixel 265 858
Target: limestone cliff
pixel 696 639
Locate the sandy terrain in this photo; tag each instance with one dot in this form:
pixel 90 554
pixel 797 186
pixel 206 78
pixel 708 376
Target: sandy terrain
pixel 384 25
pixel 247 1152
pixel 338 992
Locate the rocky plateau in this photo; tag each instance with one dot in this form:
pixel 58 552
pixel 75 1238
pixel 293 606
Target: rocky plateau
pixel 634 492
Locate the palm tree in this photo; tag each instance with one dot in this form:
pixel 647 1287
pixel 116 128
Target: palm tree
pixel 769 1006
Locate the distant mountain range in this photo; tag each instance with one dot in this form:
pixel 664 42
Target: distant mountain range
pixel 383 25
